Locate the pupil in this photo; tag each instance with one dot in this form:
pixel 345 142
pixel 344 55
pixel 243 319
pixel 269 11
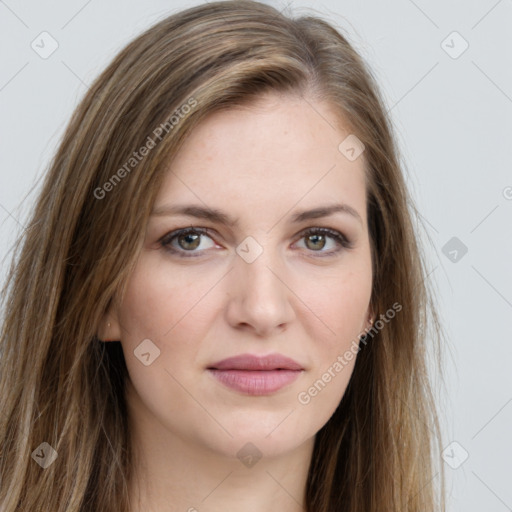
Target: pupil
pixel 316 239
pixel 191 240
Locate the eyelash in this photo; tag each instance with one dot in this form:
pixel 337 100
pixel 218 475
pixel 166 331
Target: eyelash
pixel 340 239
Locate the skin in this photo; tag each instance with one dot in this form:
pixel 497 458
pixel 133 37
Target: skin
pixel 259 164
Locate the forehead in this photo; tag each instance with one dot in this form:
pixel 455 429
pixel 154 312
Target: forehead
pixel 267 156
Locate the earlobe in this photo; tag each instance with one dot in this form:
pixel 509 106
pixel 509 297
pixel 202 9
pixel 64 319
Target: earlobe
pixel 109 330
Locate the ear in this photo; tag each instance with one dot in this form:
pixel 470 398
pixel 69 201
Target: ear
pixel 109 328
pixel 369 319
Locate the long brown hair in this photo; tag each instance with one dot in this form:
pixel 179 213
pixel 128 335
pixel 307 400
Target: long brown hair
pixel 60 386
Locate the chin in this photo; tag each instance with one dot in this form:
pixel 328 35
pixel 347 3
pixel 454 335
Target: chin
pixel 260 434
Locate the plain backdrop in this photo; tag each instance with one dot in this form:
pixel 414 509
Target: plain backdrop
pixel 445 71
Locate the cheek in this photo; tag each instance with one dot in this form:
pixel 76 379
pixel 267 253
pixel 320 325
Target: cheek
pixel 174 310
pixel 159 303
pixel 170 310
pixel 340 305
pixel 334 354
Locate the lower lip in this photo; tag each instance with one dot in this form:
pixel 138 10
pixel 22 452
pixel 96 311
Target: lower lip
pixel 257 382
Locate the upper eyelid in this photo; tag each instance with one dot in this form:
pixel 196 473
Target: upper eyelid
pixel 171 235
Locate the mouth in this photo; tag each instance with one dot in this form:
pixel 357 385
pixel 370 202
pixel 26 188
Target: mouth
pixel 255 375
pixel 250 362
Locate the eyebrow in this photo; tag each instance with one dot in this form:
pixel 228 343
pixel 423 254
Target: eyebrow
pixel 217 216
pixel 325 211
pixel 198 212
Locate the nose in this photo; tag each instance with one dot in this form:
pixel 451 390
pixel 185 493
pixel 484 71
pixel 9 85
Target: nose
pixel 259 296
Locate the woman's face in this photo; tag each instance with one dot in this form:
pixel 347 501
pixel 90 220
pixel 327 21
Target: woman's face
pixel 276 262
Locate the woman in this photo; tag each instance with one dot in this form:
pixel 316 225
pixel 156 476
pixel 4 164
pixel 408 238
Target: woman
pixel 219 302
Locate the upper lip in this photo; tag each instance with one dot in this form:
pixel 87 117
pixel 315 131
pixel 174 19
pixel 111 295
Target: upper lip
pixel 253 362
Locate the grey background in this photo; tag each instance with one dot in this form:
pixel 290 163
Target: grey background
pixel 453 120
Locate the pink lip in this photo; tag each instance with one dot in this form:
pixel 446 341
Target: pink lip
pixel 255 375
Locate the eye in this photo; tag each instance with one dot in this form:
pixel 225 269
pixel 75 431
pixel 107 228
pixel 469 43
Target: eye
pixel 324 241
pixel 191 242
pixel 187 240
